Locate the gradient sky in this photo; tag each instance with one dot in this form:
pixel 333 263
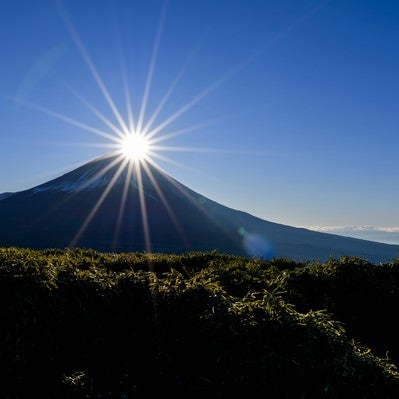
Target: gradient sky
pixel 303 117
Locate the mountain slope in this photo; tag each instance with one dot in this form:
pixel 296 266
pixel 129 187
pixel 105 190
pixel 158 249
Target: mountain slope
pixel 178 219
pixel 5 195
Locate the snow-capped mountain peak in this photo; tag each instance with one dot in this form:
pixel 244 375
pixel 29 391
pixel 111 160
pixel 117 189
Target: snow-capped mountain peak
pixel 96 174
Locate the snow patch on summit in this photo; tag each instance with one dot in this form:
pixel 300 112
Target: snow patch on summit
pixel 84 179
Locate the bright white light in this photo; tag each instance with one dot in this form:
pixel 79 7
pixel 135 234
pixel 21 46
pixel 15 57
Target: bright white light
pixel 135 147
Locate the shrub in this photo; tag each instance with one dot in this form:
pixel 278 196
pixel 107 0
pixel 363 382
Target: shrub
pixel 83 324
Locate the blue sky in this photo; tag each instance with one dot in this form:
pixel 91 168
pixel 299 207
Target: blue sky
pixel 304 109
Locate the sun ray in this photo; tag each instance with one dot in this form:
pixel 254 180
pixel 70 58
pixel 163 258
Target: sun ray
pixel 137 161
pixel 171 89
pixel 237 68
pixel 83 144
pixel 199 149
pixel 152 160
pixel 122 206
pixel 66 119
pixel 187 195
pixel 162 102
pixel 151 68
pixel 165 202
pixel 128 99
pixel 166 159
pixel 181 111
pixel 179 132
pixel 96 112
pixel 98 204
pixel 198 126
pixel 60 204
pixel 125 80
pixel 157 155
pixel 95 74
pixel 204 93
pixel 165 98
pixel 143 208
pixel 102 172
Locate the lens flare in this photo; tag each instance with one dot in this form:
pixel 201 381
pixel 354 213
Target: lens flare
pixel 135 147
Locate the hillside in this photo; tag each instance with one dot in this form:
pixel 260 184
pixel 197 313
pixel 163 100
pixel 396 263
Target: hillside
pixel 84 324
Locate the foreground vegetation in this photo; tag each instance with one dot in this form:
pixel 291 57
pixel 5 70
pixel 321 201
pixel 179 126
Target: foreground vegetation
pixel 82 324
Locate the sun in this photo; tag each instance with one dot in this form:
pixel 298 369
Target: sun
pixel 135 147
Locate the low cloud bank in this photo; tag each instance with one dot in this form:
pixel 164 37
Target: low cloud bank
pixel 385 234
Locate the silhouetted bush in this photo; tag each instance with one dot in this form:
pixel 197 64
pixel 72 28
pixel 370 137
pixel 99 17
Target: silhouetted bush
pixel 365 297
pixel 82 324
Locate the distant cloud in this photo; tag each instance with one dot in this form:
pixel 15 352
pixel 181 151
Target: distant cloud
pixel 385 234
pixel 352 228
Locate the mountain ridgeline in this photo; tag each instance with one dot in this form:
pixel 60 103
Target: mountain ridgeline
pixel 155 213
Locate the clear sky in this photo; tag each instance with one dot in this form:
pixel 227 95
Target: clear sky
pixel 301 108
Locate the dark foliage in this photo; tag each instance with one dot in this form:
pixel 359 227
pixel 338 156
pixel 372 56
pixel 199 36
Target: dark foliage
pixel 83 324
pixel 365 297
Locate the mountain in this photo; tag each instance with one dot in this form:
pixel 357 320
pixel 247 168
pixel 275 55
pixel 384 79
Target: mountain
pixel 66 212
pixel 5 195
